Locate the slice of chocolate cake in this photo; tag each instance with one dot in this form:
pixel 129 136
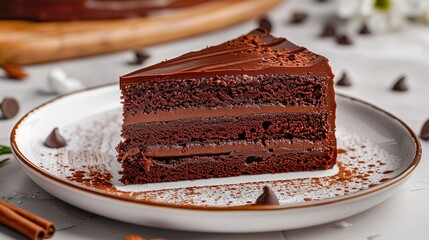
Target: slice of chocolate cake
pixel 256 104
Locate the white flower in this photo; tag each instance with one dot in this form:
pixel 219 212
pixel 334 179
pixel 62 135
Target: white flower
pixel 426 12
pixel 391 18
pixel 355 8
pixel 383 14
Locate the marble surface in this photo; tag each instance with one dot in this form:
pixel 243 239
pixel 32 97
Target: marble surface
pixel 373 63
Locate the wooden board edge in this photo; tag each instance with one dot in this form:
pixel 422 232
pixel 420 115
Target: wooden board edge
pixel 29 43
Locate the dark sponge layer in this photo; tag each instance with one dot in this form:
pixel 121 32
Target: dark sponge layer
pixel 224 91
pixel 309 126
pixel 138 170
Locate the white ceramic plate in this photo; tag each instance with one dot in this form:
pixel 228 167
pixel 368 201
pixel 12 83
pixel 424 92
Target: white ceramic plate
pixel 378 153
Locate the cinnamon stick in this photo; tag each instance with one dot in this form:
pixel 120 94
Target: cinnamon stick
pixel 14 72
pixel 30 225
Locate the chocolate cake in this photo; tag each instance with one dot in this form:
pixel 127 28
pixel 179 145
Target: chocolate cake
pixel 253 105
pixel 70 10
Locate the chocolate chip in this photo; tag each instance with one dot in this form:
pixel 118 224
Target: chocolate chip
pixel 344 40
pixel 400 85
pixel 9 107
pixel 140 56
pixel 329 30
pixel 298 17
pixel 364 29
pixel 265 23
pixel 268 197
pixel 14 72
pixel 413 19
pixel 55 140
pixel 344 81
pixel 424 133
pixel 292 57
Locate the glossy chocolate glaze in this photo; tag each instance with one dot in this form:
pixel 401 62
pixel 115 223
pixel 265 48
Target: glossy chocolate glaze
pixel 255 53
pixel 69 10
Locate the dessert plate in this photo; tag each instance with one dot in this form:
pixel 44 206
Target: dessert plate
pixel 377 153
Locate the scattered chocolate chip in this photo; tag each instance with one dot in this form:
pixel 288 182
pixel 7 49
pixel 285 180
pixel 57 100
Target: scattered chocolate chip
pixel 344 40
pixel 413 19
pixel 9 107
pixel 364 29
pixel 344 81
pixel 292 57
pixel 424 133
pixel 400 85
pixel 55 140
pixel 265 23
pixel 14 72
pixel 140 56
pixel 298 17
pixel 329 30
pixel 268 197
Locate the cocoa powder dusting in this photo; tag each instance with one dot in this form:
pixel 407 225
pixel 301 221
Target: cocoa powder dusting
pixel 91 162
pixel 341 151
pixel 93 178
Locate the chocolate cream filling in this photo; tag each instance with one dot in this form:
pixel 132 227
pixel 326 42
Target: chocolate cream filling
pixel 163 151
pixel 179 114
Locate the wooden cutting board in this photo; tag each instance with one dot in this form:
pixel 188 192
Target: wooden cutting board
pixel 24 42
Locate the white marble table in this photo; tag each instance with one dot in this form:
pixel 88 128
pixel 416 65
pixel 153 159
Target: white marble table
pixel 373 63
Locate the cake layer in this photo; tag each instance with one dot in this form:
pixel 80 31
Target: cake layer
pixel 257 161
pixel 224 91
pixel 309 126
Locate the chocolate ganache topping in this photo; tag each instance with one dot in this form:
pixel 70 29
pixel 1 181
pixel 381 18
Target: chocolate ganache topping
pixel 272 56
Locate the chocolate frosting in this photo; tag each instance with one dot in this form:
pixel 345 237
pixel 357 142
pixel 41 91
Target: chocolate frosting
pixel 258 52
pixel 69 10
